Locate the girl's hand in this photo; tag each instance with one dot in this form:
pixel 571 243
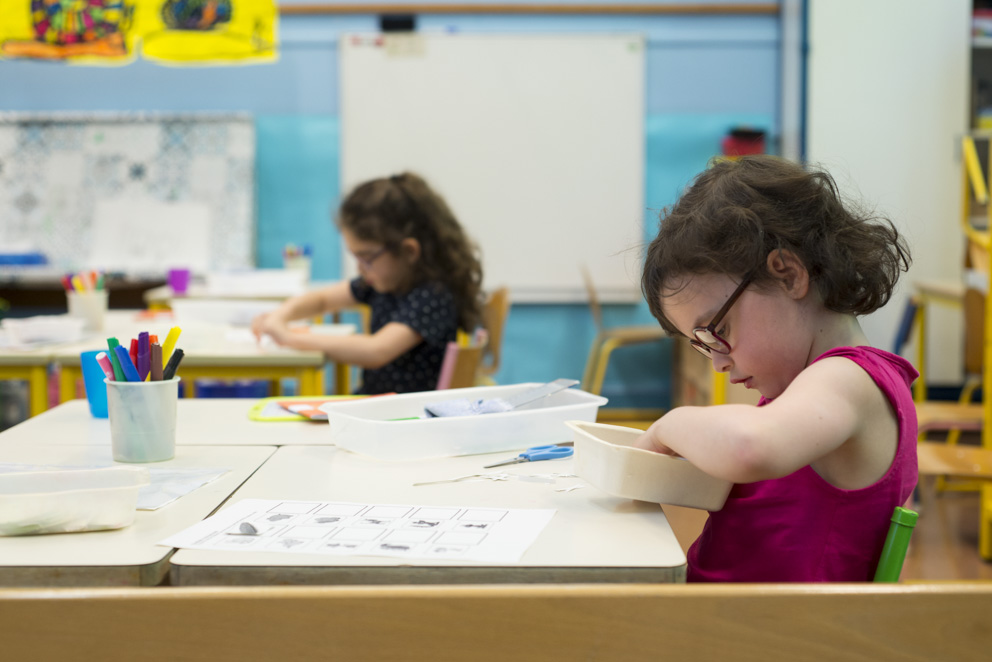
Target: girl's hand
pixel 272 326
pixel 650 441
pixel 258 325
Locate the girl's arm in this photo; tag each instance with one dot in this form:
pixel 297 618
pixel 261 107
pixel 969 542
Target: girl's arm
pixel 366 351
pixel 310 304
pixel 823 407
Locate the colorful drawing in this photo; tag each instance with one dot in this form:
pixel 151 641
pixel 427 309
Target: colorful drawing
pixel 196 32
pixel 179 32
pixel 66 29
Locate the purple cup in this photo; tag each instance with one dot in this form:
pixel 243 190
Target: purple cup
pixel 179 280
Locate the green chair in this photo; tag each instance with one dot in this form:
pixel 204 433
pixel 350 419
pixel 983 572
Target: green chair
pixel 896 544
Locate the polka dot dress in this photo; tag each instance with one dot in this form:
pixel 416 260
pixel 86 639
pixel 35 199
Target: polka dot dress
pixel 429 310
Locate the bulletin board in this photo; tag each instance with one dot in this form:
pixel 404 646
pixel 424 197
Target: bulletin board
pixel 136 193
pixel 535 141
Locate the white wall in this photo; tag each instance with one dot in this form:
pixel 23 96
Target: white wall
pixel 888 85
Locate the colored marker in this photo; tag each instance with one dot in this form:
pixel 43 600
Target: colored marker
pixel 118 372
pixel 133 352
pixel 130 372
pixel 105 365
pixel 144 355
pixel 170 342
pixel 77 283
pixel 173 365
pixel 155 372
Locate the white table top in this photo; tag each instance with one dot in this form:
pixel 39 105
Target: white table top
pixel 128 556
pixel 199 422
pixel 203 343
pixel 592 537
pixel 164 293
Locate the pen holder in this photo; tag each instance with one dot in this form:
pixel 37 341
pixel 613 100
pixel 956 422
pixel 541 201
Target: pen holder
pixel 298 263
pixel 90 306
pixel 95 382
pixel 143 420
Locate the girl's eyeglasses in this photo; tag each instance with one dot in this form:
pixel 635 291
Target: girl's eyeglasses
pixel 706 340
pixel 367 260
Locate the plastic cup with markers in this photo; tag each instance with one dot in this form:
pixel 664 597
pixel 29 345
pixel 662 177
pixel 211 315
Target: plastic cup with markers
pixel 86 298
pixel 297 258
pixel 142 397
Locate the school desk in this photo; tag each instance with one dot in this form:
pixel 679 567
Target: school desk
pixel 122 557
pixel 31 366
pixel 199 422
pixel 210 353
pixel 161 298
pixel 592 537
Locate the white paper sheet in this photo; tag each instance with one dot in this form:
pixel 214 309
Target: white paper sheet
pixel 495 535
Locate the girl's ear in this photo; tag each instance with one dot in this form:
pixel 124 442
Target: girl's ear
pixel 786 267
pixel 410 250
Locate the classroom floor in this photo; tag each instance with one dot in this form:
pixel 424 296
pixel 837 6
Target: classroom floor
pixel 944 545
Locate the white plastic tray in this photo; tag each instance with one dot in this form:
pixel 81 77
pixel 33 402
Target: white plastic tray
pixel 605 457
pixel 368 427
pixel 67 500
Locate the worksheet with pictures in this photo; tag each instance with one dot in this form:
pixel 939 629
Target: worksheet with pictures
pixel 496 535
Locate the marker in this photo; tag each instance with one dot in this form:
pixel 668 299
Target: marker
pixel 130 372
pixel 155 371
pixel 133 353
pixel 144 355
pixel 118 372
pixel 105 365
pixel 170 342
pixel 77 283
pixel 173 365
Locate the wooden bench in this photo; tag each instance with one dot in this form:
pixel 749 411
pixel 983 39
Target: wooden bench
pixel 947 621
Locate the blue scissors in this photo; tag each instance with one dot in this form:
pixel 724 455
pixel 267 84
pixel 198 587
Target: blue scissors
pixel 536 453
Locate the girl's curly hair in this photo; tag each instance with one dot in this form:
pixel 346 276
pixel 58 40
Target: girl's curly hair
pixel 738 211
pixel 391 209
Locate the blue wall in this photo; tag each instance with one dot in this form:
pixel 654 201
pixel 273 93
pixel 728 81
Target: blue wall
pixel 704 75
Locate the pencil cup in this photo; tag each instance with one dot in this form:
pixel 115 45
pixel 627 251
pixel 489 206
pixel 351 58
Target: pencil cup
pixel 143 420
pixel 298 263
pixel 94 380
pixel 90 306
pixel 179 280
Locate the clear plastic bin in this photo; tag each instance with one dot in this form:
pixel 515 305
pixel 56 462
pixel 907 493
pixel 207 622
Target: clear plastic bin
pixel 67 500
pixel 376 426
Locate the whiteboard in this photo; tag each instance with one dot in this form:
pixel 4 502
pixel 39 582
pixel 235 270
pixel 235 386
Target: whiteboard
pixel 536 142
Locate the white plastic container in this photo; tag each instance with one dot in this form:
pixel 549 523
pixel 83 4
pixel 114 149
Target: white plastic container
pixel 369 426
pixel 605 458
pixel 67 500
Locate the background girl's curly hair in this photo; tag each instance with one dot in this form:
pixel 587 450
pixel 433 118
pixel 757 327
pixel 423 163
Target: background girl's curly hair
pixel 392 209
pixel 737 212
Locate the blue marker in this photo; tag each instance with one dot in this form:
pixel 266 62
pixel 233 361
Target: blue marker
pixel 130 372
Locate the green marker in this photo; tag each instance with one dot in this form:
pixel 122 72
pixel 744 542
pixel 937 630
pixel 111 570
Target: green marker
pixel 116 362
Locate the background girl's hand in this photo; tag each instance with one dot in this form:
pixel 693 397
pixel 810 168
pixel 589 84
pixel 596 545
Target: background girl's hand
pixel 257 326
pixel 270 325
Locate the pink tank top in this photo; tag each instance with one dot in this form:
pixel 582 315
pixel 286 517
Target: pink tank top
pixel 800 528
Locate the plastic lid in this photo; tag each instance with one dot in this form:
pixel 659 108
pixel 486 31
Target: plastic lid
pixel 904 517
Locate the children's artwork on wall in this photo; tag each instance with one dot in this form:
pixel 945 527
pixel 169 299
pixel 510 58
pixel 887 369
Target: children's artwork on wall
pixel 70 30
pixel 209 31
pixel 177 32
pixel 178 187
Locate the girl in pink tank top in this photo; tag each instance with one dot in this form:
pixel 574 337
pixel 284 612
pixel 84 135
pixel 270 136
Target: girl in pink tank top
pixel 765 270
